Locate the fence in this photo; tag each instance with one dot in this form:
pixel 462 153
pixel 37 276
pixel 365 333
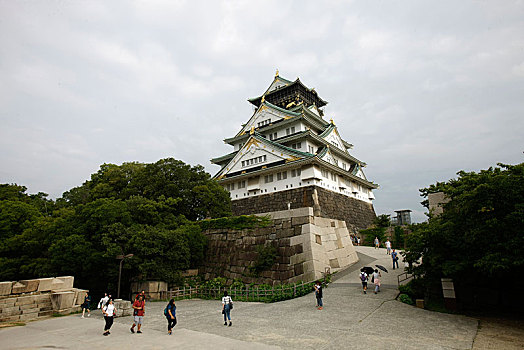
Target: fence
pixel 246 293
pixel 403 277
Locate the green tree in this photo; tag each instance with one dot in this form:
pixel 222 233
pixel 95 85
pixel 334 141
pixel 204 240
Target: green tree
pixel 478 238
pixel 382 220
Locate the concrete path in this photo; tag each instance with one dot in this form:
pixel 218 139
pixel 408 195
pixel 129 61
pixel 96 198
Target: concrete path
pixel 350 319
pixel 370 256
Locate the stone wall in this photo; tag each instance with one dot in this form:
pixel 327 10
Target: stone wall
pixel 154 289
pixel 306 246
pixel 357 214
pixel 28 300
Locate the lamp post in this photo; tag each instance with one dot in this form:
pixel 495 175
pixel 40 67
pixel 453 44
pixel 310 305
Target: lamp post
pixel 121 258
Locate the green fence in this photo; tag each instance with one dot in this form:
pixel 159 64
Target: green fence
pixel 247 293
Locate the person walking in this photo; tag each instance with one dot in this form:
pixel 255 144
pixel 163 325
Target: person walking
pixel 394 256
pixel 170 313
pixel 318 295
pixel 142 293
pixel 376 280
pixel 103 301
pixel 388 247
pixel 227 305
pixel 364 279
pixel 109 311
pixel 138 313
pixel 86 305
pixel 377 243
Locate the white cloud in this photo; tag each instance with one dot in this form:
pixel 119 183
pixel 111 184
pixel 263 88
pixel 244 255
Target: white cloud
pixel 421 89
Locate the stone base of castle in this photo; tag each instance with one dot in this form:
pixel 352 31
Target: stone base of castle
pixel 307 245
pixel 328 204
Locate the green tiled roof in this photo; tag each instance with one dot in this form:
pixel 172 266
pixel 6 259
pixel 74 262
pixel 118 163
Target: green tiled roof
pixel 327 131
pixel 282 147
pixel 268 104
pixel 224 157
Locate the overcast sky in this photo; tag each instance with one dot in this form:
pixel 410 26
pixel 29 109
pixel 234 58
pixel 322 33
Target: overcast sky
pixel 422 89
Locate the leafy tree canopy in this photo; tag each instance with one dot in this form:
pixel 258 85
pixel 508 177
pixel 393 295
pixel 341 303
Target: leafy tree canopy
pixel 479 235
pixel 143 209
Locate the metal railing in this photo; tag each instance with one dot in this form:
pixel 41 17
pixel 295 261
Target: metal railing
pixel 403 277
pixel 240 294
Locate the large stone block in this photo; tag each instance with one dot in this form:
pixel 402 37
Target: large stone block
pixel 26 300
pixel 5 288
pixel 68 281
pixel 29 317
pixel 62 300
pixel 52 283
pixel 25 286
pixel 9 318
pixel 45 313
pixel 79 296
pixel 10 311
pixel 8 302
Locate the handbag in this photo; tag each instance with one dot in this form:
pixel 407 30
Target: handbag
pixel 230 305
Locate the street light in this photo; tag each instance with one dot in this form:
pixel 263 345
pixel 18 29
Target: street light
pixel 121 258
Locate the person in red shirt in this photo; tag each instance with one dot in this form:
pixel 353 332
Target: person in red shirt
pixel 138 312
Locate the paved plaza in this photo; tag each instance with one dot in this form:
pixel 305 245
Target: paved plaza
pixel 349 320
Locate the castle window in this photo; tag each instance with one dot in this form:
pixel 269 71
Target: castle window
pixel 268 178
pixel 242 184
pixel 282 175
pixel 344 166
pixel 311 149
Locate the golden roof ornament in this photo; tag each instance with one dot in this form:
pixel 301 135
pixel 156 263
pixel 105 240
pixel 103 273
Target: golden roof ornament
pixel 263 99
pixel 276 73
pixel 331 120
pixel 252 131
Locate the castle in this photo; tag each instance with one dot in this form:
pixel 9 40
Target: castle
pixel 287 156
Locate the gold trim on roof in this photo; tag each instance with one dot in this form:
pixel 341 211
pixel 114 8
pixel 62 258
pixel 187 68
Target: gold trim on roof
pixel 252 141
pixel 292 159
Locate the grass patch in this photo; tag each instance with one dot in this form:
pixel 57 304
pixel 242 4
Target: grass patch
pixel 12 324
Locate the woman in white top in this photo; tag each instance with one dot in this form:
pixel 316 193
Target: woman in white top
pixel 227 305
pixel 109 313
pixel 103 301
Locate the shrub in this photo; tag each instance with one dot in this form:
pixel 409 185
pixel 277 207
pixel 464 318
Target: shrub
pixel 414 288
pixel 406 299
pixel 266 257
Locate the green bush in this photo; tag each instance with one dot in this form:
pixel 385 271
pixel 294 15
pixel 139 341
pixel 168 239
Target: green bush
pixel 414 288
pixel 406 299
pixel 235 222
pixel 266 257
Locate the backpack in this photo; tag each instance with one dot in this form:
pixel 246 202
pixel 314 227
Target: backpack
pixel 165 311
pixel 363 277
